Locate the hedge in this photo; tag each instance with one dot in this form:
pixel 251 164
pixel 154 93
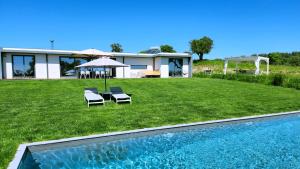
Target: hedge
pixel 273 79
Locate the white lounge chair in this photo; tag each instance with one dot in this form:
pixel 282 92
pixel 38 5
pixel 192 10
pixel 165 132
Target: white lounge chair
pixel 119 96
pixel 91 96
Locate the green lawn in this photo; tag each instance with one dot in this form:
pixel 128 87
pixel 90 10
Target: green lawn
pixel 33 110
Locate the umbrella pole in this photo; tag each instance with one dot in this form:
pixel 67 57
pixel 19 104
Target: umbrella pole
pixel 105 77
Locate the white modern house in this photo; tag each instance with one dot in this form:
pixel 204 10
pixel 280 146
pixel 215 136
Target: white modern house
pixel 20 63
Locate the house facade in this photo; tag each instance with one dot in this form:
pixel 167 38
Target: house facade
pixel 21 63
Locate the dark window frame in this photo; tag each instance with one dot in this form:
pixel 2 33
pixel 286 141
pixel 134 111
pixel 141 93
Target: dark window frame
pixel 13 70
pixel 2 65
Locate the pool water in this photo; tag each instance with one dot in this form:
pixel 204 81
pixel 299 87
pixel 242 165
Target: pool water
pixel 270 144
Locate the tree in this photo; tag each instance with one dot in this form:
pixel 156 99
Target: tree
pixel 116 47
pixel 275 58
pixel 167 49
pixel 143 51
pixel 201 46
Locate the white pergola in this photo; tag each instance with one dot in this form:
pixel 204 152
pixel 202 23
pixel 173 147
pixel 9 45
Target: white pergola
pixel 255 59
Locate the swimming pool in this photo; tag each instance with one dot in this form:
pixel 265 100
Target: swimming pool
pixel 264 142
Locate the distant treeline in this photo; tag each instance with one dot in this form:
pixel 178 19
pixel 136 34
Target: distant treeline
pixel 277 58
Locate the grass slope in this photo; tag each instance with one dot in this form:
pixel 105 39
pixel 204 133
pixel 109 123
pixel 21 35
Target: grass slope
pixel 36 110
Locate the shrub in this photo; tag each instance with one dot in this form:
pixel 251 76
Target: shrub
pixel 294 61
pixel 218 76
pixel 277 79
pixel 278 58
pixel 293 83
pixel 200 75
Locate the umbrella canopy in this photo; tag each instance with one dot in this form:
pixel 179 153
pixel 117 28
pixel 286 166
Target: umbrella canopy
pixel 103 62
pixel 94 52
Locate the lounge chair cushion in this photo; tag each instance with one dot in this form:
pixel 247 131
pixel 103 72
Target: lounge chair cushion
pixel 91 90
pixel 93 96
pixel 121 96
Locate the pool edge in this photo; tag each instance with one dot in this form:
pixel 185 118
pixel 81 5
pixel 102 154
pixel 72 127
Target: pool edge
pixel 14 164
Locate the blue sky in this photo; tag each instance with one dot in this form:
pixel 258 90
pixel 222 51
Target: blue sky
pixel 238 27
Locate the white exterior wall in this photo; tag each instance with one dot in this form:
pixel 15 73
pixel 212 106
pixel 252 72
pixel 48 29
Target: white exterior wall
pixel 119 70
pixel 164 67
pixel 52 70
pixel 135 73
pixel 53 67
pixel 126 69
pixel 40 66
pixel 161 64
pixel 191 67
pixel 157 63
pixel 1 64
pixel 8 66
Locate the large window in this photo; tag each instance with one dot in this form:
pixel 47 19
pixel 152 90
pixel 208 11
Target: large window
pixel 23 66
pixel 138 66
pixel 67 65
pixel 175 67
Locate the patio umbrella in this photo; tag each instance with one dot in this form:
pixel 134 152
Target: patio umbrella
pixel 103 62
pixel 93 52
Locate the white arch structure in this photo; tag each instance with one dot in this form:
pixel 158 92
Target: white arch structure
pixel 255 59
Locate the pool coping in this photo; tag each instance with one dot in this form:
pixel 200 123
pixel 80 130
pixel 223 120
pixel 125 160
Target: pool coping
pixel 14 164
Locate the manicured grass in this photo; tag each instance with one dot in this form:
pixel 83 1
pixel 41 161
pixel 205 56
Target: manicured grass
pixel 33 110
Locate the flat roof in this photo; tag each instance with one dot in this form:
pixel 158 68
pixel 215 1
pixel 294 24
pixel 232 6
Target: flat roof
pixel 76 52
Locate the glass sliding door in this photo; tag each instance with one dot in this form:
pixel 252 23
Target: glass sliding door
pixel 79 61
pixel 175 67
pixel 67 65
pixel 23 66
pixel 113 70
pixel 18 66
pixel 29 66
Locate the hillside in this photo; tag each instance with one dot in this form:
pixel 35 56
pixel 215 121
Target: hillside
pixel 217 67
